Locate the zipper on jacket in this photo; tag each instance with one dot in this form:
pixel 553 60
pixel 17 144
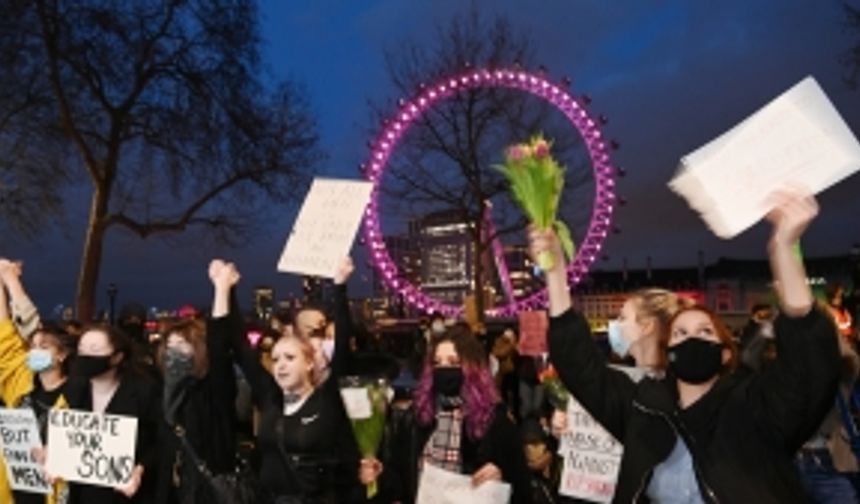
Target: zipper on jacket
pixel 699 476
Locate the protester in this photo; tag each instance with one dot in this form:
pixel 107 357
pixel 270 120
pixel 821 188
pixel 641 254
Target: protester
pixel 704 433
pixel 305 441
pixel 457 423
pixel 199 397
pixel 636 334
pixel 114 384
pixel 33 378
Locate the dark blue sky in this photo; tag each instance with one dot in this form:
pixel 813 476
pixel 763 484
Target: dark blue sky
pixel 670 75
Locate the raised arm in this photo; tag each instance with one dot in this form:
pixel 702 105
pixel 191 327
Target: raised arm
pixel 343 328
pixel 606 393
pixel 790 218
pixel 222 328
pixel 791 397
pixel 225 313
pixel 24 314
pixel 16 379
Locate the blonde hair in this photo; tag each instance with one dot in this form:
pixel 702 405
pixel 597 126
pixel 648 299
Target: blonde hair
pixel 307 351
pixel 659 304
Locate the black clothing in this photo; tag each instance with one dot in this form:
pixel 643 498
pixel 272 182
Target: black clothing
pixel 204 408
pixel 742 434
pixel 136 396
pixel 310 454
pixel 501 445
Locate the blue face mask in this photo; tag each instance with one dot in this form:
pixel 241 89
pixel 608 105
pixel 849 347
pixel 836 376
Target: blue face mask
pixel 39 360
pixel 617 342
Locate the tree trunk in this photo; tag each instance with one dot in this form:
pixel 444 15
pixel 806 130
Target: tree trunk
pixel 478 268
pixel 92 258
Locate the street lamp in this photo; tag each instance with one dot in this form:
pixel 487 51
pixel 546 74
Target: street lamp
pixel 111 292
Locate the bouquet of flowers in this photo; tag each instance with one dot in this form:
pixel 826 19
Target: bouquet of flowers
pixel 555 390
pixel 536 183
pixel 366 402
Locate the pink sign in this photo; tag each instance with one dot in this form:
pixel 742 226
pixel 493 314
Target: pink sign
pixel 533 329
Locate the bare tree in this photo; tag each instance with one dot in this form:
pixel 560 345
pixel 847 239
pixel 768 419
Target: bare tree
pixel 444 162
pixel 159 104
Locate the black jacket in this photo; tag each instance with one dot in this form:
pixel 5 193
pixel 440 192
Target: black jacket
pixel 207 415
pixel 742 434
pixel 404 445
pixel 312 453
pixel 137 396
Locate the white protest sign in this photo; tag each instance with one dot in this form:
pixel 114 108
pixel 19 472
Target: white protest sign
pixel 797 140
pixel 325 228
pixel 19 434
pixel 592 457
pixel 438 486
pixel 92 448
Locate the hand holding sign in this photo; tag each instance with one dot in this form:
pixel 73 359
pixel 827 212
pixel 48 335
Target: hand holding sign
pixel 93 448
pixel 133 484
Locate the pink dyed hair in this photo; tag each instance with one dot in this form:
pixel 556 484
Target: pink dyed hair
pixel 478 392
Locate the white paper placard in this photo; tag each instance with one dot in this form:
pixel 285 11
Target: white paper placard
pixel 797 140
pixel 325 228
pixel 19 435
pixel 438 486
pixel 591 455
pixel 92 448
pixel 356 401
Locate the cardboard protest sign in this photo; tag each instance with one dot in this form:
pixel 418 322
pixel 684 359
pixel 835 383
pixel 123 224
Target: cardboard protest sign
pixel 438 486
pixel 19 435
pixel 325 228
pixel 92 448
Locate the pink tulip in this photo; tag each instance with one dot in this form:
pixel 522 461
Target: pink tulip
pixel 516 153
pixel 541 149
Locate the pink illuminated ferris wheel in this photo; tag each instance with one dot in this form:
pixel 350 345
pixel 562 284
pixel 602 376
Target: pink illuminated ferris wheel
pixel 588 249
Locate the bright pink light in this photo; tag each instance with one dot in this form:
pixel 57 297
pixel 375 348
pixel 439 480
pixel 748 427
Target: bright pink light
pixel 537 86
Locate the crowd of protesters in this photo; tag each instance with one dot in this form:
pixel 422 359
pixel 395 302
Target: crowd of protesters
pixel 702 415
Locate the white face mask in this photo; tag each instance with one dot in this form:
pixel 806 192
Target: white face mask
pixel 328 349
pixel 617 341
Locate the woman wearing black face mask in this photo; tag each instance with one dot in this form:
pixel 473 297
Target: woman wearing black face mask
pixel 113 384
pixel 457 423
pixel 198 397
pixel 706 433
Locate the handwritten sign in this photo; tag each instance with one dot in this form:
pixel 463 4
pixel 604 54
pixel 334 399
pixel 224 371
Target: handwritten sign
pixel 325 228
pixel 797 140
pixel 438 486
pixel 592 457
pixel 92 448
pixel 533 329
pixel 19 435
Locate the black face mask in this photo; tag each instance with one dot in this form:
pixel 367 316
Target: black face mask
pixel 696 360
pixel 90 366
pixel 447 381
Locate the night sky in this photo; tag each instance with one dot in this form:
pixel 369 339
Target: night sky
pixel 669 75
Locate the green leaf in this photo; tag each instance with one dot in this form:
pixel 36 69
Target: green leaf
pixel 565 239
